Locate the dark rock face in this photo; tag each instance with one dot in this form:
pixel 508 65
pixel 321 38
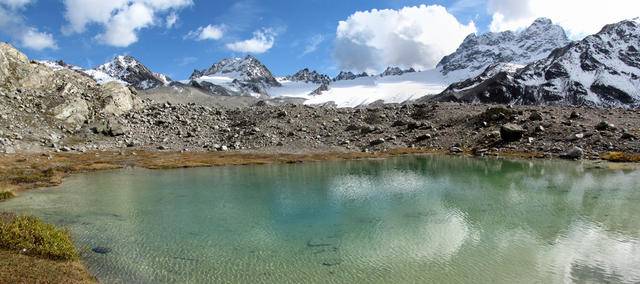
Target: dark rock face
pixel 600 70
pixel 307 76
pixel 349 76
pixel 511 132
pixel 396 71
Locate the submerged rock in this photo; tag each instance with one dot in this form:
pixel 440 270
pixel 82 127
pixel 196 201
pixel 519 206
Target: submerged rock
pixel 101 250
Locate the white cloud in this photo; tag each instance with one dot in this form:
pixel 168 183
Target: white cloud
pixel 34 39
pixel 122 28
pixel 261 42
pixel 208 32
pixel 121 19
pixel 578 17
pixel 12 23
pixel 171 19
pixel 312 44
pixel 410 37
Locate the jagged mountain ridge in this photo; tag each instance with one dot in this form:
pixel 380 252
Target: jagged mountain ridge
pixel 477 52
pixel 307 76
pixel 129 70
pixel 348 75
pixel 123 69
pixel 600 70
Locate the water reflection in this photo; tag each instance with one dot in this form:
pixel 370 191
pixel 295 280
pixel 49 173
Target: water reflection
pixel 434 219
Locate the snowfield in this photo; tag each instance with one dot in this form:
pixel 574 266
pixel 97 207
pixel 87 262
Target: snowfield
pixel 366 90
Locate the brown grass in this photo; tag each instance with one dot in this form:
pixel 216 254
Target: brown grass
pixel 621 157
pixel 18 268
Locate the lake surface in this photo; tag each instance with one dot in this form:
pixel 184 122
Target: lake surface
pixel 430 219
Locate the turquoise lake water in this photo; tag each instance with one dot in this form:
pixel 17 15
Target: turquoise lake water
pixel 428 219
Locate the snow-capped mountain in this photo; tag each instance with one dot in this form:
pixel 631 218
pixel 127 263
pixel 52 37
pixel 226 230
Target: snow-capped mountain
pixel 129 70
pixel 123 69
pixel 476 53
pixel 348 75
pixel 600 70
pixel 307 76
pixel 241 76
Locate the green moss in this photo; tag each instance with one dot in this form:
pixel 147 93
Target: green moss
pixel 33 237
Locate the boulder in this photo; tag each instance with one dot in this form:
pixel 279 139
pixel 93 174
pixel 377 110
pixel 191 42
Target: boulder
pixel 118 99
pixel 511 132
pixel 603 125
pixel 74 112
pixel 573 154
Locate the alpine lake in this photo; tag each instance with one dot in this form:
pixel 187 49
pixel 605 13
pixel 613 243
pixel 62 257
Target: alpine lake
pixel 419 219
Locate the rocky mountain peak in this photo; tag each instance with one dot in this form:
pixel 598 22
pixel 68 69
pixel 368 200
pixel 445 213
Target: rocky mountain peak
pixel 600 70
pixel 307 76
pixel 129 70
pixel 247 69
pixel 348 75
pixel 477 52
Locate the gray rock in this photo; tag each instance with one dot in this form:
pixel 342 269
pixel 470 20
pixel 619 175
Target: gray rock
pixel 101 250
pixel 511 132
pixel 573 154
pixel 377 142
pixel 604 125
pixel 456 150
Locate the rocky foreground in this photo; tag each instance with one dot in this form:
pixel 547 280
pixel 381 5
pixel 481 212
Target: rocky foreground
pixel 303 129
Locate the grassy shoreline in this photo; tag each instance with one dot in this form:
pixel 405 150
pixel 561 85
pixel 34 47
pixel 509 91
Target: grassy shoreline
pixel 32 170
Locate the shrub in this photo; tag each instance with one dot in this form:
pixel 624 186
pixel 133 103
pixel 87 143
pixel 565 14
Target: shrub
pixel 6 195
pixel 36 238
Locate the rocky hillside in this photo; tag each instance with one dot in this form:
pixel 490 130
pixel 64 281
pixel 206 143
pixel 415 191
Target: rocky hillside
pixel 348 75
pixel 601 70
pixel 41 105
pixel 476 53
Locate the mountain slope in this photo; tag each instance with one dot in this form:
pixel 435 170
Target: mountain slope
pixel 476 53
pixel 601 70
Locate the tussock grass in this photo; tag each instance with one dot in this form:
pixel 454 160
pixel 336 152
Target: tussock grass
pixel 33 237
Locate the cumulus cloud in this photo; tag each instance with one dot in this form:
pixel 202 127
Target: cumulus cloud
pixel 38 40
pixel 208 32
pixel 12 24
pixel 261 42
pixel 578 17
pixel 415 37
pixel 122 20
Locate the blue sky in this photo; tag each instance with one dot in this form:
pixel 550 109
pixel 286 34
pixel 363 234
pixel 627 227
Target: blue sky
pixel 175 36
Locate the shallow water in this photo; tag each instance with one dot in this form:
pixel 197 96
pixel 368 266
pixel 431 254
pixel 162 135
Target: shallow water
pixel 426 219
